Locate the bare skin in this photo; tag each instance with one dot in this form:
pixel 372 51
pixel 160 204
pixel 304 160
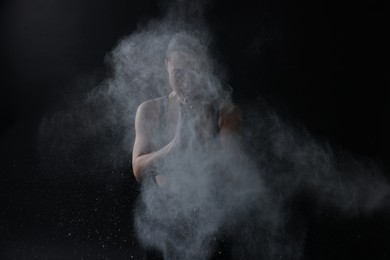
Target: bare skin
pixel 146 157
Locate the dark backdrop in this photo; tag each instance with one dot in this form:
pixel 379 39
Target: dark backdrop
pixel 318 64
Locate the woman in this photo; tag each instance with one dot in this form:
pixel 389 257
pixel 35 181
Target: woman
pixel 196 112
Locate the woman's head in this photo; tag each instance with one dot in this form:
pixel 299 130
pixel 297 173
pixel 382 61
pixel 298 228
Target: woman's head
pixel 188 67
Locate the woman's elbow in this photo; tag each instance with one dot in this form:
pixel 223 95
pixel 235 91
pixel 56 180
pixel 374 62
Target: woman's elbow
pixel 137 171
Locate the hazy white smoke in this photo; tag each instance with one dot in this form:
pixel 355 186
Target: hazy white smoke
pixel 213 192
pixel 208 186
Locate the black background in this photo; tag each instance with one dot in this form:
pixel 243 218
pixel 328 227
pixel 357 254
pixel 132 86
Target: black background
pixel 319 64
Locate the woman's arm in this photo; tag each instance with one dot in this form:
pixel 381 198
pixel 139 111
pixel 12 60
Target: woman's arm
pixel 230 123
pixel 145 161
pixel 146 164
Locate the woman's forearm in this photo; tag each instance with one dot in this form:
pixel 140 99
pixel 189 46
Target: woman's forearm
pixel 145 164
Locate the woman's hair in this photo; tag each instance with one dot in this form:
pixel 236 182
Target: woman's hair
pixel 187 43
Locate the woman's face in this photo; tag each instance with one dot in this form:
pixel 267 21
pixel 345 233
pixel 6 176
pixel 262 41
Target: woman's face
pixel 186 76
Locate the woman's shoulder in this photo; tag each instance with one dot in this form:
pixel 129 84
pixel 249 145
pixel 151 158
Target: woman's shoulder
pixel 152 104
pixel 229 110
pixel 150 109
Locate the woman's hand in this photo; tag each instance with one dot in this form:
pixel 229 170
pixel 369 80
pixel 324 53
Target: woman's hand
pixel 197 124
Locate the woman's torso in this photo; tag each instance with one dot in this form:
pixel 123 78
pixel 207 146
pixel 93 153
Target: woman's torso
pixel 169 113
